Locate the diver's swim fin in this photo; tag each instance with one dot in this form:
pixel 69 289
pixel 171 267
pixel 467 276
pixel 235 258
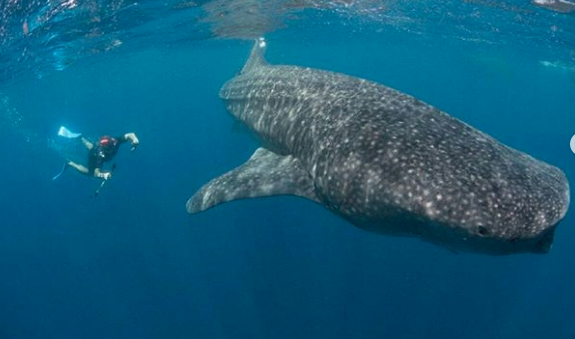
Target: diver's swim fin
pixel 61 171
pixel 66 133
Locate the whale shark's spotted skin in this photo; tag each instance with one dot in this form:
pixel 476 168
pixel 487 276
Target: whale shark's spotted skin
pixel 386 162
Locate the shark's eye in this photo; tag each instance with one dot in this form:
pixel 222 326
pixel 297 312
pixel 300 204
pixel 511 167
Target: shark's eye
pixel 482 230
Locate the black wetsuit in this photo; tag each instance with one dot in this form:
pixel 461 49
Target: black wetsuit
pixel 99 154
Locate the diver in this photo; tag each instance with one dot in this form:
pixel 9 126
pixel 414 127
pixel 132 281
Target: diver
pixel 101 152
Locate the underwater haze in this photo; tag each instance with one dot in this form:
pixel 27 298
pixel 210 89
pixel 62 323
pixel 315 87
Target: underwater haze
pixel 132 263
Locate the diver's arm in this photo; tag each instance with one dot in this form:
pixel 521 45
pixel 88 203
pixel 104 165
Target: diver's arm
pixel 133 139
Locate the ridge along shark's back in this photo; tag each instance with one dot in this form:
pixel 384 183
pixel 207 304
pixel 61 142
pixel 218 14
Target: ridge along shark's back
pixel 386 162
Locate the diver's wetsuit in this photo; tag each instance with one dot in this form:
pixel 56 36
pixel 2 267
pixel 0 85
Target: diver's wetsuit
pixel 99 154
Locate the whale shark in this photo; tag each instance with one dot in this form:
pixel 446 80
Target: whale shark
pixel 385 161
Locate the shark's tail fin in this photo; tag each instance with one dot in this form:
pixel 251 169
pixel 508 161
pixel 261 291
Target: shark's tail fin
pixel 257 58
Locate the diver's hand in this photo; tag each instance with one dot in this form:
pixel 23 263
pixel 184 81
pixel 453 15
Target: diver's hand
pixel 133 140
pixel 104 175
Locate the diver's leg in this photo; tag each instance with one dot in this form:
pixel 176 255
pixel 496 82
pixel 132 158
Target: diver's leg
pixel 78 167
pixel 87 143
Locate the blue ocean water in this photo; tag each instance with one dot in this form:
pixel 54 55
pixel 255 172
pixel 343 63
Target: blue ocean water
pixel 133 264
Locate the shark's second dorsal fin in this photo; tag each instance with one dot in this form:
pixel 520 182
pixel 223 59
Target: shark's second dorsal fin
pixel 256 56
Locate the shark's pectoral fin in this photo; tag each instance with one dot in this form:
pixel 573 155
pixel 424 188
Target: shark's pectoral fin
pixel 264 174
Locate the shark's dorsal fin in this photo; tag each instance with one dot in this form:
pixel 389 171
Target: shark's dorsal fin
pixel 264 174
pixel 256 58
